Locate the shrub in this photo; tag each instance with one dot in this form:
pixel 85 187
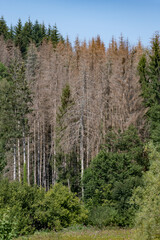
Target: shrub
pixel 20 200
pixel 34 209
pixel 114 173
pixel 147 199
pixel 102 216
pixel 60 208
pixel 110 180
pixel 8 226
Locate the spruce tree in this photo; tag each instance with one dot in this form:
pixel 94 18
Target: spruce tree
pixel 18 35
pixel 67 164
pixel 4 104
pixel 15 104
pixel 55 36
pixel 37 34
pixel 144 81
pixel 27 36
pixel 11 33
pixel 3 28
pixel 21 107
pixel 149 72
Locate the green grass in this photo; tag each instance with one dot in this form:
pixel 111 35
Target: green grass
pixel 84 234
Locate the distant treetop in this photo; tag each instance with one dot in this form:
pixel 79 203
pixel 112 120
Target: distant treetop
pixel 23 35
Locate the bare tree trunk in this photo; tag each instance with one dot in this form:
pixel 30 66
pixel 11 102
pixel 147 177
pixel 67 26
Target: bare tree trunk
pixel 38 156
pixel 35 155
pixel 24 158
pixel 69 187
pixel 54 174
pixel 55 115
pixel 14 162
pixel 44 159
pixel 87 147
pixel 28 162
pixel 82 151
pixel 65 166
pixel 19 161
pixel 82 132
pixel 24 148
pixel 40 167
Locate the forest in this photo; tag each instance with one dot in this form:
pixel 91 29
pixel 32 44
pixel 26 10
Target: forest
pixel 79 132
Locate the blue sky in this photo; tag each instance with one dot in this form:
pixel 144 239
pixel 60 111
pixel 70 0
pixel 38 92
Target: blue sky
pixel 135 19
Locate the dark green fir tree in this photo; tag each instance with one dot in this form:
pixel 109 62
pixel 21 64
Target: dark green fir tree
pixel 66 158
pixel 4 28
pixel 149 72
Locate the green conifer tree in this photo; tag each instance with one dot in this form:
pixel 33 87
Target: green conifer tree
pixel 67 162
pixel 43 31
pixel 4 104
pixel 27 36
pixel 21 98
pixel 149 72
pixel 18 34
pixel 55 36
pixel 3 28
pixel 11 33
pixel 15 104
pixel 37 34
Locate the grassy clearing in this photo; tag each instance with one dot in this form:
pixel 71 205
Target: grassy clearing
pixel 84 234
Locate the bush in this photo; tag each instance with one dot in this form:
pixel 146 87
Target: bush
pixel 8 227
pixel 110 180
pixel 102 216
pixel 20 200
pixel 59 208
pixel 34 209
pixel 147 199
pixel 112 175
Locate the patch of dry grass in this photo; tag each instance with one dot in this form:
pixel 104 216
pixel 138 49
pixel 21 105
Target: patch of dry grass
pixel 89 234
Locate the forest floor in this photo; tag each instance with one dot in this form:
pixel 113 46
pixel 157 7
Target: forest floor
pixel 87 234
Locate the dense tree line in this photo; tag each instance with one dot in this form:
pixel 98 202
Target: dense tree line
pixel 77 94
pixel 25 209
pixel 23 35
pixel 79 115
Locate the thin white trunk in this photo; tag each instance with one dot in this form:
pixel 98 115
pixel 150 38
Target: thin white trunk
pixel 24 149
pixel 14 162
pixel 24 159
pixel 69 187
pixel 82 131
pixel 85 93
pixel 40 167
pixel 19 162
pixel 54 170
pixel 38 154
pixel 65 166
pixel 44 160
pixel 82 151
pixel 28 162
pixel 35 155
pixel 54 174
pixel 87 146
